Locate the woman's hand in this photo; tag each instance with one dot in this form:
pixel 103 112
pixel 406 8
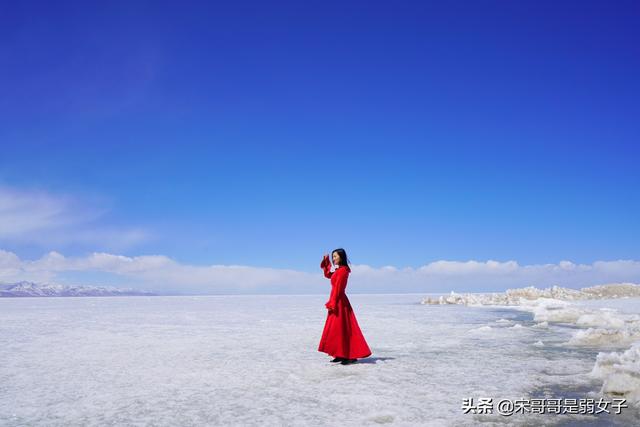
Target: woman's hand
pixel 325 261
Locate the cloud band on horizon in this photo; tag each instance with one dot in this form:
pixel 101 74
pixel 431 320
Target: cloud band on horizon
pixel 165 275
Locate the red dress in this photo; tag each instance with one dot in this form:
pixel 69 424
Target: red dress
pixel 341 336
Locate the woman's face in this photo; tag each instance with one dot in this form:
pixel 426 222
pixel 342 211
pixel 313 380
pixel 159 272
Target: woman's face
pixel 336 258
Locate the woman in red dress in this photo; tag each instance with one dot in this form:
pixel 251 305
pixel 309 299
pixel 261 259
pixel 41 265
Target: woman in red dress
pixel 341 337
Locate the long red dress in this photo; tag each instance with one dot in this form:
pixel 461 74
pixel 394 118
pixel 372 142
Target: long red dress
pixel 341 336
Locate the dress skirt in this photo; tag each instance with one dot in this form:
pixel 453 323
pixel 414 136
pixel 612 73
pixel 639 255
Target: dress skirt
pixel 341 336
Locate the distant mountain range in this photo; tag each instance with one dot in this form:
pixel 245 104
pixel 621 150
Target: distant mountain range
pixel 31 289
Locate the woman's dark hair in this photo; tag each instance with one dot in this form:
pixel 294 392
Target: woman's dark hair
pixel 343 256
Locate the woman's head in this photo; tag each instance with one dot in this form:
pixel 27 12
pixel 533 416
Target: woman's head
pixel 339 257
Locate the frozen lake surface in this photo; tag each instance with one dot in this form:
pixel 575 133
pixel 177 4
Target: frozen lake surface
pixel 253 360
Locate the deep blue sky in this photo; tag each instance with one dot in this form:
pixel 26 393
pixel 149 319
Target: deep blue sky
pixel 266 133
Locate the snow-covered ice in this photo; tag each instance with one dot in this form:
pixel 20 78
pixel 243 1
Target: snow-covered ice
pixel 253 360
pixel 600 318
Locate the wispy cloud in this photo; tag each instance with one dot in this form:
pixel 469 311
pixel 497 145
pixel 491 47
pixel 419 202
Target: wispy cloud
pixel 164 274
pixel 47 219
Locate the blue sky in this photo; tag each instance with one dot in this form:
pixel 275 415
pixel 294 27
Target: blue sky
pixel 267 134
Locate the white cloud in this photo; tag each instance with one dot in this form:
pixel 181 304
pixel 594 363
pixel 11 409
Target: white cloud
pixel 46 219
pixel 468 267
pixel 25 212
pixel 164 274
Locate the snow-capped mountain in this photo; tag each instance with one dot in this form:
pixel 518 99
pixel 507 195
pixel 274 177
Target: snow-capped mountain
pixel 31 289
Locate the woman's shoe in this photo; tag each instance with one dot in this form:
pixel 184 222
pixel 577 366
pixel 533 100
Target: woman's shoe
pixel 348 361
pixel 338 359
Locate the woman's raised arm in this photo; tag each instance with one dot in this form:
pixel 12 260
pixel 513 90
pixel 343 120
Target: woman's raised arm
pixel 326 267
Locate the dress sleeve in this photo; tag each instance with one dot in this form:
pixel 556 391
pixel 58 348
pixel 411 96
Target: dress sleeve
pixel 326 266
pixel 336 291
